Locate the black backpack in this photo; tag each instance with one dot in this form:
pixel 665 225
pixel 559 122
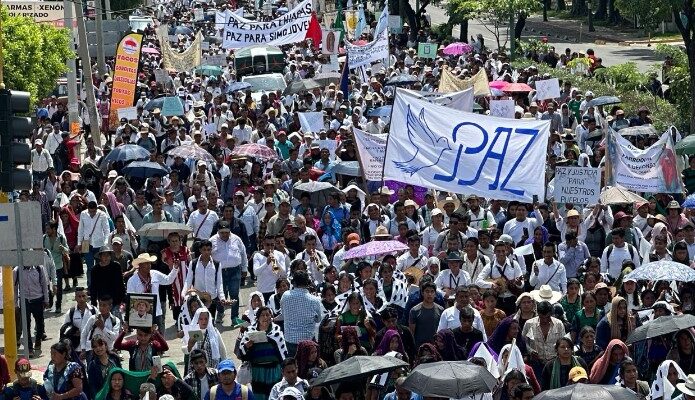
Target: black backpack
pixel 192 269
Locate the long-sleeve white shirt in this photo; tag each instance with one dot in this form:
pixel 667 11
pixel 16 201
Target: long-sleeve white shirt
pixel 316 271
pixel 450 320
pixel 135 284
pixel 447 280
pixel 112 327
pixel 208 279
pixel 553 275
pixel 40 161
pixel 230 253
pixel 265 277
pixel 202 226
pixel 95 229
pixel 511 271
pixel 248 216
pixel 515 228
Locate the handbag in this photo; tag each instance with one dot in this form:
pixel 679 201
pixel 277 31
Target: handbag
pixel 243 375
pixel 85 242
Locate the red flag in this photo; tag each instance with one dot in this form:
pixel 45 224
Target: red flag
pixel 314 32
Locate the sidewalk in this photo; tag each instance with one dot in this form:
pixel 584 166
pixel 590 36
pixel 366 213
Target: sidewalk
pixel 578 30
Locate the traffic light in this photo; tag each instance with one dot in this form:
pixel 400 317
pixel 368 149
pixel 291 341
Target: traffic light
pixel 12 151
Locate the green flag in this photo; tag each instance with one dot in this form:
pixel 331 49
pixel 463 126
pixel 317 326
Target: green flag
pixel 339 19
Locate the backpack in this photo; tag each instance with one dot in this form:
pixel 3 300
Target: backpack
pixel 630 248
pixel 94 326
pixel 195 262
pixel 244 392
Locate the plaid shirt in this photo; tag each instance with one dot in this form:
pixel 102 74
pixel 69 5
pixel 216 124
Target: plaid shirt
pixel 302 312
pixel 194 382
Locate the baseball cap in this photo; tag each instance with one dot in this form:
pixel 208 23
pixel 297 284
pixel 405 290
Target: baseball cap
pixel 226 365
pixel 577 373
pixel 224 226
pixel 116 240
pixel 292 391
pixel 353 238
pixel 23 368
pixel 238 193
pixel 38 142
pixel 506 239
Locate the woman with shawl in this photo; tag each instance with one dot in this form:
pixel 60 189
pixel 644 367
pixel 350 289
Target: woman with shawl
pixel 308 358
pixel 191 303
pixel 350 345
pixel 394 289
pixel 354 313
pixel 117 389
pixel 629 379
pixel 617 324
pixel 510 359
pixel 264 357
pixel 556 372
pixel 211 343
pixel 123 192
pixel 391 342
pixel 505 332
pixel 605 369
pixel 667 376
pixel 114 208
pixel 683 351
pixel 255 302
pixel 426 353
pixel 447 346
pixel 537 240
pixel 330 232
pixel 70 221
pixel 526 309
pixel 63 377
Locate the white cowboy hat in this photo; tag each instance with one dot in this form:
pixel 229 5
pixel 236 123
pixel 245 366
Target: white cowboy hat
pixel 545 293
pixel 144 258
pixel 687 387
pixel 386 190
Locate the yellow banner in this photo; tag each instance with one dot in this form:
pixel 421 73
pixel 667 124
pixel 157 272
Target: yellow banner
pixel 181 62
pixel 450 83
pixel 125 75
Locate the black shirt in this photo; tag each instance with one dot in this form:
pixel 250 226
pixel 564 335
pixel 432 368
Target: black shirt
pixel 467 339
pixel 107 280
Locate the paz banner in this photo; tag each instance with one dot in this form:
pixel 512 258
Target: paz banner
pixel 125 75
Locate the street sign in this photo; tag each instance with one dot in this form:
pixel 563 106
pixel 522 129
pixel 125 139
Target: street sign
pixel 40 11
pixel 29 221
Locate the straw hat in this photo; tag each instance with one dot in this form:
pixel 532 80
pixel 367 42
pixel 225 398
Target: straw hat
pixel 386 190
pixel 545 293
pixel 687 387
pixel 381 232
pixel 144 258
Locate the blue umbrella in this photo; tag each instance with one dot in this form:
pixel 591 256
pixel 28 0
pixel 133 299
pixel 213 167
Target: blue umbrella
pixel 144 169
pixel 350 168
pixel 237 86
pixel 663 271
pixel 383 112
pixel 689 202
pixel 126 152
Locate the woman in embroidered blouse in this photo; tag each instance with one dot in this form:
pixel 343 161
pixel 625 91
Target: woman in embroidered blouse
pixel 101 364
pixel 264 356
pixel 63 378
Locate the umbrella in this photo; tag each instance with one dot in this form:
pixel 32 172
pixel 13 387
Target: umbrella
pixel 319 192
pixel 620 195
pixel 326 78
pixel 663 270
pixel 150 50
pixel 126 152
pixel 357 367
pixel 144 169
pixel 499 85
pixel 403 79
pixel 255 150
pixel 300 86
pixel 237 86
pixel 661 326
pixel 689 202
pixel 685 147
pixel 450 379
pixel 457 48
pixel 582 391
pixel 604 101
pixel 644 130
pixel 181 30
pixel 157 102
pixel 374 248
pixel 163 229
pixel 351 168
pixel 193 151
pixel 517 87
pixel 383 111
pixel 209 70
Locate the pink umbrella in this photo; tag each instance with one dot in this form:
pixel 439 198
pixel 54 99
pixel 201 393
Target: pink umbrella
pixel 254 150
pixel 374 248
pixel 458 48
pixel 517 87
pixel 499 85
pixel 150 50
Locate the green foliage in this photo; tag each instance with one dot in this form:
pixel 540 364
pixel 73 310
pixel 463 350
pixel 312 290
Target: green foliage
pixel 494 13
pixel 533 45
pixel 679 77
pixel 443 31
pixel 126 5
pixel 622 77
pixel 34 54
pixel 649 12
pixel 664 113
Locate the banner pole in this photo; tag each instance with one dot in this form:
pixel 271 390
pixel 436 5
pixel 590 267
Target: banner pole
pixel 388 139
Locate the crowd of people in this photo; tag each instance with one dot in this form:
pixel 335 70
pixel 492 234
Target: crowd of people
pixel 557 315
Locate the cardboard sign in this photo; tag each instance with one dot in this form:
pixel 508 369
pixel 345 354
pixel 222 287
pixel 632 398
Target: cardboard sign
pixel 427 50
pixel 502 108
pixel 129 113
pixel 547 89
pixel 577 185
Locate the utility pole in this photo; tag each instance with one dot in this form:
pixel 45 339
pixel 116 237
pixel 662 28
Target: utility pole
pixel 98 15
pixel 510 37
pixel 107 5
pixel 87 73
pixel 73 115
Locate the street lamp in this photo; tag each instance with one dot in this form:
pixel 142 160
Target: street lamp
pixel 591 16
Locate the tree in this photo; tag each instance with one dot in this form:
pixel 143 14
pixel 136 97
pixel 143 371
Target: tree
pixel 649 12
pixel 458 16
pixel 496 14
pixel 684 17
pixel 34 54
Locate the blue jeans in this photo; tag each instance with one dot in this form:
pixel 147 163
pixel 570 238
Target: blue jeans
pixel 89 258
pixel 231 281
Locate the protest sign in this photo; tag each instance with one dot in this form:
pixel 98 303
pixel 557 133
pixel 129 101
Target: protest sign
pixel 311 121
pixel 547 89
pixel 577 185
pixel 129 113
pixel 427 50
pixel 372 149
pixel 455 151
pixel 376 50
pixel 394 24
pixel 650 170
pixel 180 62
pixel 215 59
pixel 161 76
pixel 502 108
pixel 451 83
pixel 198 14
pixel 286 29
pixel 328 144
pixel 172 106
pixel 205 46
pixel 125 77
pixel 330 41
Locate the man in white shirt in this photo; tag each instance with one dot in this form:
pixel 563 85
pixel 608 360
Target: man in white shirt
pixel 449 280
pixel 202 220
pixel 103 324
pixel 314 259
pixel 614 254
pixel 41 160
pixel 228 249
pixel 501 274
pixel 205 276
pixel 414 257
pixel 76 317
pixel 450 316
pixel 147 281
pixel 480 217
pixel 521 228
pixel 549 271
pixel 93 230
pixel 268 266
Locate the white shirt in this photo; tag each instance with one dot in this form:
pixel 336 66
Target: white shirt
pixel 135 284
pixel 265 277
pixel 450 320
pixel 406 260
pixel 53 139
pixel 316 271
pixel 515 228
pixel 476 267
pixel 447 280
pixel 95 229
pixel 197 219
pixel 41 161
pixel 478 218
pixel 208 279
pixel 613 265
pixel 248 216
pixel 393 226
pixel 511 270
pixel 553 275
pixel 109 333
pixel 79 318
pixel 230 254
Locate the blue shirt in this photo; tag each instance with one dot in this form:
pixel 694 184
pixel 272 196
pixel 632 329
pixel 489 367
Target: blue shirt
pixel 235 395
pixel 302 312
pixel 24 393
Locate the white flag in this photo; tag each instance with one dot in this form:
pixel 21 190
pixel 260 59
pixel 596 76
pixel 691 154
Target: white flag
pixel 311 121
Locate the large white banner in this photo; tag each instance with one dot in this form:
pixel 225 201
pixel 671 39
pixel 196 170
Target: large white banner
pixel 286 29
pixel 652 170
pixel 462 101
pixel 311 121
pixel 376 50
pixel 372 149
pixel 454 151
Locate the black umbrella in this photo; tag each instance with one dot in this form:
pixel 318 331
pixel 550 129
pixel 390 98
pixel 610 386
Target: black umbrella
pixel 661 326
pixel 604 101
pixel 582 391
pixel 358 367
pixel 144 169
pixel 450 379
pixel 299 86
pixel 403 79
